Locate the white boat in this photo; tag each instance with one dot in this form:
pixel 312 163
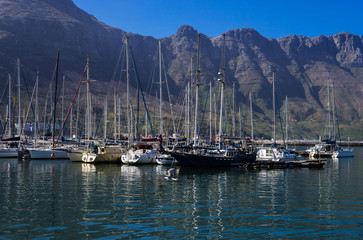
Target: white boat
pixel 8 152
pixel 324 149
pixel 340 153
pixel 165 159
pixel 99 152
pixel 144 154
pixel 75 154
pixel 276 155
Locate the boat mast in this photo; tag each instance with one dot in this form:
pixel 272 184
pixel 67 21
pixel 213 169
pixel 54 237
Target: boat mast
pixel 210 112
pixel 329 113
pixel 287 124
pixel 119 115
pixel 128 90
pixel 333 113
pixel 273 105
pixel 10 109
pixel 233 115
pixel 19 110
pixel 88 115
pixel 114 118
pixel 36 106
pixel 251 116
pixel 240 121
pixel 55 98
pixel 64 79
pixel 196 95
pixel 106 113
pixel 161 93
pixel 188 112
pixel 221 80
pixel 188 100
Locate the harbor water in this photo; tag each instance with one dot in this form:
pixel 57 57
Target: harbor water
pixel 59 199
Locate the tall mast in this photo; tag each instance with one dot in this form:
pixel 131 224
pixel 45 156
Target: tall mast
pixel 333 112
pixel 329 113
pixel 119 114
pixel 146 124
pixel 251 116
pixel 161 93
pixel 233 115
pixel 114 118
pixel 55 97
pixel 287 124
pixel 196 94
pixel 128 90
pixel 64 79
pixel 88 115
pixel 240 122
pixel 221 80
pixel 36 107
pixel 215 113
pixel 210 112
pixel 71 125
pixel 188 112
pixel 106 113
pixel 273 104
pixel 10 108
pixel 19 110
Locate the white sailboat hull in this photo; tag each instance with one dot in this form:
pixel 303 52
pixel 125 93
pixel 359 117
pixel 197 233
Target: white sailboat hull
pixel 343 153
pixel 275 155
pixel 139 157
pixel 75 156
pixel 8 152
pixel 106 157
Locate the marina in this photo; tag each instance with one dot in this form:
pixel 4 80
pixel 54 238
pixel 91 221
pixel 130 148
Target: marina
pixel 180 136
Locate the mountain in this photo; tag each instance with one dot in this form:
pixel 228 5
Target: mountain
pixel 33 31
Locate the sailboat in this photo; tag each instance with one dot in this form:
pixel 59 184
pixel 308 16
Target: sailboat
pixel 45 151
pixel 140 152
pixel 274 153
pixel 9 146
pixel 212 157
pixel 329 147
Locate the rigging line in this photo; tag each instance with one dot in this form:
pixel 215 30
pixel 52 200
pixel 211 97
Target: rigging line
pixel 117 66
pixel 205 107
pixel 167 87
pixel 181 114
pixel 123 60
pixel 336 117
pixel 229 106
pixel 69 110
pixel 152 75
pixel 26 88
pixel 98 124
pixel 5 88
pixel 142 93
pixel 30 106
pixel 279 117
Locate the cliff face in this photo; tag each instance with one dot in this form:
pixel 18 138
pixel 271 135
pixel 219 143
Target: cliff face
pixel 33 30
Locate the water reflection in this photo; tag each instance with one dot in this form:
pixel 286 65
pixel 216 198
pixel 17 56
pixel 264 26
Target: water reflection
pixel 61 199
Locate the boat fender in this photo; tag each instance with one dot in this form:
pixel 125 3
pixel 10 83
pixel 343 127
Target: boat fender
pixel 52 155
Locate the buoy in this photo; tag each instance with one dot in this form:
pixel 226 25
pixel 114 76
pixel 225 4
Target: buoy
pixel 52 155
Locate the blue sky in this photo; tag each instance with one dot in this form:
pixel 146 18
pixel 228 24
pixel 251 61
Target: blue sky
pixel 273 19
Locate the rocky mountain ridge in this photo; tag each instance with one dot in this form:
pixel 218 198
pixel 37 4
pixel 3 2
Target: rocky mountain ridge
pixel 33 30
